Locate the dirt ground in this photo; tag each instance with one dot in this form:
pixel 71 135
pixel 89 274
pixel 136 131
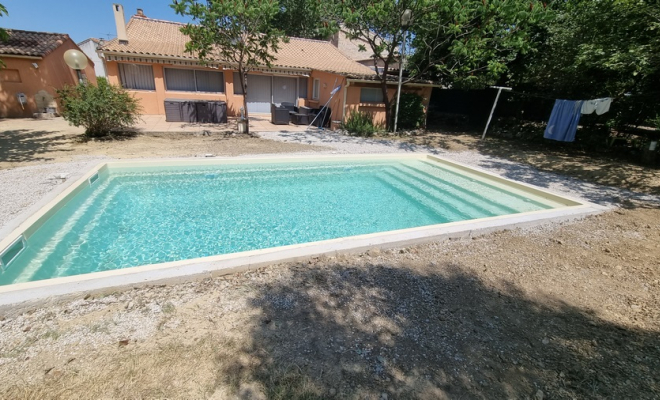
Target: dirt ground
pixel 28 146
pixel 563 311
pixel 558 158
pixel 569 311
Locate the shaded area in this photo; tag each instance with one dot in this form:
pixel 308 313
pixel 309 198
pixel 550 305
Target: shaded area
pixel 22 145
pixel 431 332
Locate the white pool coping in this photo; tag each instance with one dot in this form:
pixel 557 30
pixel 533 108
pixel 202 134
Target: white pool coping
pixel 190 269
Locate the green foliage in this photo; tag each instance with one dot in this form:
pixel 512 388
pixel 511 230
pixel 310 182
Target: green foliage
pixel 100 109
pixel 411 111
pixel 3 33
pixel 470 44
pixel 239 32
pixel 599 48
pixel 311 19
pixel 360 123
pixel 460 43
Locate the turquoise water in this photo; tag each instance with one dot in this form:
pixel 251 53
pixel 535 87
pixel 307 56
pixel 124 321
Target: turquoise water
pixel 138 216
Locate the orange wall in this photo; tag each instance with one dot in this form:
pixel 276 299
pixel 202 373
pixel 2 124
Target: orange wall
pixel 328 81
pixel 52 73
pixel 378 109
pixel 153 101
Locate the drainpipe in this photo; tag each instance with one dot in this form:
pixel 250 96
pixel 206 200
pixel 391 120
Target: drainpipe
pixel 343 109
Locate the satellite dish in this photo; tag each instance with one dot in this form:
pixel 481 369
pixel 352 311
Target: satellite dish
pixel 75 59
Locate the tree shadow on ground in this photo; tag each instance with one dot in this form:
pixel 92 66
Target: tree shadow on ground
pixel 431 332
pixel 22 145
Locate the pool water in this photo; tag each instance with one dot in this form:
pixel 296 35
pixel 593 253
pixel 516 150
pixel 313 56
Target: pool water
pixel 146 215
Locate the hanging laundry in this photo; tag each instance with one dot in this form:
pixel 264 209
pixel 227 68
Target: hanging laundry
pixel 564 120
pixel 601 106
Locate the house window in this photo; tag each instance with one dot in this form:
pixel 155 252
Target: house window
pixel 10 75
pixel 136 76
pixel 371 95
pixel 238 89
pixel 192 80
pixel 316 89
pixel 302 88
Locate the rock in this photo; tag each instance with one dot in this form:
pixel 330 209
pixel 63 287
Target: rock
pixel 27 329
pixel 539 395
pixel 545 341
pixel 636 307
pixel 124 342
pixel 332 391
pixel 383 396
pixel 87 296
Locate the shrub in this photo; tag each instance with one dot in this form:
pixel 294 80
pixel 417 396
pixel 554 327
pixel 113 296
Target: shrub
pixel 100 109
pixel 360 124
pixel 411 112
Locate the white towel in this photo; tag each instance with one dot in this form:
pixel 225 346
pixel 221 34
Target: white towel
pixel 601 106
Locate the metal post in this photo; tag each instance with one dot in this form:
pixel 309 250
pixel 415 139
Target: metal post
pixel 398 90
pixel 492 111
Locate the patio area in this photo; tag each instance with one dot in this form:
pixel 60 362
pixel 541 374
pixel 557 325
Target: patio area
pixel 258 123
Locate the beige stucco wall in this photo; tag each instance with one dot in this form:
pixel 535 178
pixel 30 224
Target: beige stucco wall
pixel 52 73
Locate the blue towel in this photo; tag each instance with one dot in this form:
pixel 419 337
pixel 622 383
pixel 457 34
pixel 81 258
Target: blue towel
pixel 564 120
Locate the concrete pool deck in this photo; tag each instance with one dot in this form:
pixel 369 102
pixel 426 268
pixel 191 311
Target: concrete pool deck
pixel 229 263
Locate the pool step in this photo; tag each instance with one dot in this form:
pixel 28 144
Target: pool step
pixel 434 206
pixel 448 200
pixel 505 195
pixel 480 202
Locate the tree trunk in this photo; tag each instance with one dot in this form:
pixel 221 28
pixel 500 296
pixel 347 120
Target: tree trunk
pixel 386 99
pixel 243 78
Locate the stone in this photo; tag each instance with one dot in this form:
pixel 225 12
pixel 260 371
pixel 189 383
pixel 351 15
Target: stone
pixel 545 341
pixel 332 391
pixel 124 342
pixel 539 395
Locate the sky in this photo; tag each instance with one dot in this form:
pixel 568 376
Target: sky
pixel 81 19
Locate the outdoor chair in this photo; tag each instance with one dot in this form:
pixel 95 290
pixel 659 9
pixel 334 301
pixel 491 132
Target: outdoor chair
pixel 279 115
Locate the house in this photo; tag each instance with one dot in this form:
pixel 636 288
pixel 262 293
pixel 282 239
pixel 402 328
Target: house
pixel 148 59
pixel 89 46
pixel 34 69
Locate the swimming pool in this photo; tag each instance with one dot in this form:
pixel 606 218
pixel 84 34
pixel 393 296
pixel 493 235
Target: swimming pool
pixel 126 215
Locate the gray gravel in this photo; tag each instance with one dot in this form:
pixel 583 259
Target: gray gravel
pixel 21 188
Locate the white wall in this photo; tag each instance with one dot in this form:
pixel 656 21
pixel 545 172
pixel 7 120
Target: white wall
pixel 89 48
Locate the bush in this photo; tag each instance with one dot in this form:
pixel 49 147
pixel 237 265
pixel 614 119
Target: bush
pixel 101 109
pixel 360 124
pixel 411 112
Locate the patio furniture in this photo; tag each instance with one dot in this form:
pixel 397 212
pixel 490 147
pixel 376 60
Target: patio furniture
pixel 205 111
pixel 279 115
pixel 300 119
pixel 288 106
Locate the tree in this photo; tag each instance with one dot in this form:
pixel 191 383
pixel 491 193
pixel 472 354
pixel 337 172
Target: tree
pixel 3 33
pixel 311 19
pixel 467 43
pixel 100 109
pixel 597 49
pixel 239 32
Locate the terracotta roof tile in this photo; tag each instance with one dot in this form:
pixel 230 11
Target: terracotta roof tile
pixel 157 38
pixel 29 43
